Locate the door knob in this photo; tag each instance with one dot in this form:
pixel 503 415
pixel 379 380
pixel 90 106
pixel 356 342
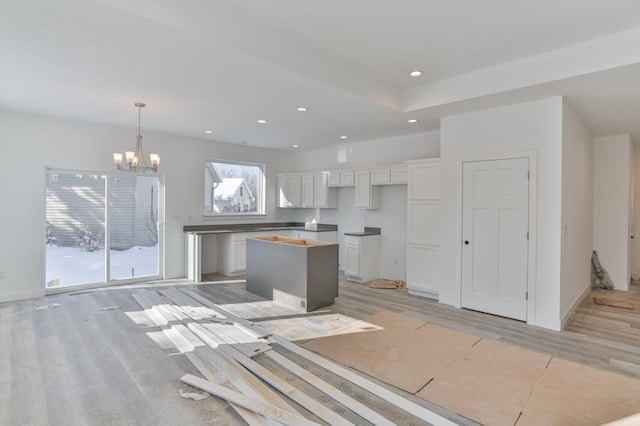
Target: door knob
pixel 466 242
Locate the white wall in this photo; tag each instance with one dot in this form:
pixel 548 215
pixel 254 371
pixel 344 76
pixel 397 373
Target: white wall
pixel 612 157
pixel 392 215
pixel 534 126
pixel 577 217
pixel 371 153
pixel 30 143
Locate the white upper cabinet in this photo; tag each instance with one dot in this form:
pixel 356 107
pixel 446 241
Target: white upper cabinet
pixel 306 190
pixel 381 176
pixel 308 185
pixel 342 178
pixel 367 196
pixel 325 197
pixel 390 175
pixel 289 190
pixel 424 181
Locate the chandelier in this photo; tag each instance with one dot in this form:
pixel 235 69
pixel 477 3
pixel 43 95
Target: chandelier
pixel 135 159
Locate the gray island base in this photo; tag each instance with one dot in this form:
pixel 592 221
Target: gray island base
pixel 301 274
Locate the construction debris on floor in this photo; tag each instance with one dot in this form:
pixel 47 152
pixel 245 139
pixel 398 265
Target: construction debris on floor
pixel 613 302
pixel 390 284
pixel 484 380
pixel 223 347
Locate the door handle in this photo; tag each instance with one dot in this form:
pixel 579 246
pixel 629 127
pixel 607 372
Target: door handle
pixel 466 242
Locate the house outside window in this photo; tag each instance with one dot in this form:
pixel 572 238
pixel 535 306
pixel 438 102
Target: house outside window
pixel 233 188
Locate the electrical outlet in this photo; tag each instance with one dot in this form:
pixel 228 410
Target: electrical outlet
pixel 1 275
pixel 395 260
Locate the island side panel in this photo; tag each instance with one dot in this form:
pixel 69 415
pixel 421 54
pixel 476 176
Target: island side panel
pixel 304 277
pixel 278 272
pixel 322 276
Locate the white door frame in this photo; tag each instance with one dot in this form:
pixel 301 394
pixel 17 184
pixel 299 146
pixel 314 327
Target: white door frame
pixel 533 220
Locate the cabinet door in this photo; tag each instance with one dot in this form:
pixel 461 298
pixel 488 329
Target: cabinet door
pixel 353 261
pixel 347 178
pixel 320 189
pixel 399 175
pixel 424 182
pixel 363 189
pixel 239 256
pixel 307 235
pixel 422 268
pixel 334 178
pixel 289 190
pixel 380 176
pixel 307 190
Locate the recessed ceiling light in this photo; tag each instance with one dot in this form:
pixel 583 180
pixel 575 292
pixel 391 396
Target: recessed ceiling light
pixel 415 73
pixel 412 120
pixel 262 121
pixel 302 109
pixel 295 146
pixel 344 137
pixel 208 131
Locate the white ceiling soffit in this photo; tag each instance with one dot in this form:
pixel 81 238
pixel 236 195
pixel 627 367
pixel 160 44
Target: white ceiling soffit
pixel 223 64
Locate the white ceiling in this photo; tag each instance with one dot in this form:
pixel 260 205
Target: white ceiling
pixel 223 64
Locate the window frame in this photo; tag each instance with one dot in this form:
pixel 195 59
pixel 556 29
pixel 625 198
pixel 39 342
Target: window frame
pixel 260 193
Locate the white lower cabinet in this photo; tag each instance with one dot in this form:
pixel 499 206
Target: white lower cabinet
pixel 324 236
pixel 362 256
pixel 232 252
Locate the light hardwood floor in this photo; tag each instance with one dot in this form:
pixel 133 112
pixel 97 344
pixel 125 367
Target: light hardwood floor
pixel 77 364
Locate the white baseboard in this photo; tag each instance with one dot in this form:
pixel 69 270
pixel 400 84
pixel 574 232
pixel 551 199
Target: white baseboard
pixel 423 291
pixel 21 295
pixel 566 317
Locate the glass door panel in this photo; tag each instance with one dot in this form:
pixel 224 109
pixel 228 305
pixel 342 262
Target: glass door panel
pixel 75 232
pixel 133 227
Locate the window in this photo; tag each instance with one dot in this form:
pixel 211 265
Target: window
pixel 233 188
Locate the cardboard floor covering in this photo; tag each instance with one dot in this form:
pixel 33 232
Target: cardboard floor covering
pixel 404 352
pixel 490 383
pixel 574 394
pixel 485 380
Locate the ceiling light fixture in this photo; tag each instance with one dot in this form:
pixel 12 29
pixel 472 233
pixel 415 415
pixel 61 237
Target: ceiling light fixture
pixel 208 132
pixel 302 109
pixel 344 137
pixel 412 120
pixel 295 146
pixel 262 121
pixel 415 73
pixel 135 159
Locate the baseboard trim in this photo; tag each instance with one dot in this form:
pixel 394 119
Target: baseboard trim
pixel 421 291
pixel 21 295
pixel 566 317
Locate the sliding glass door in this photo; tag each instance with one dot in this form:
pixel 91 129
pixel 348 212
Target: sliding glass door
pixel 101 228
pixel 133 227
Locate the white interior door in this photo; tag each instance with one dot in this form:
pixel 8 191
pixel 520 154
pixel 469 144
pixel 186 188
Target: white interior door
pixel 495 216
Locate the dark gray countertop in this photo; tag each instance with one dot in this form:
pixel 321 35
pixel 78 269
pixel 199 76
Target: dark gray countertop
pixel 254 227
pixel 367 231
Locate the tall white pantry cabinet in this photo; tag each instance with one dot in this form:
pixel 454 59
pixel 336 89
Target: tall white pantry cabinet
pixel 423 227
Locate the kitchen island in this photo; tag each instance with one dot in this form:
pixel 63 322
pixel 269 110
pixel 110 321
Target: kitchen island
pixel 301 274
pixel 221 248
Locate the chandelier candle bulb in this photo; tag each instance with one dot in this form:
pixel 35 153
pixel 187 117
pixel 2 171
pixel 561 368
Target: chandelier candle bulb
pixel 117 158
pixel 130 157
pixel 155 160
